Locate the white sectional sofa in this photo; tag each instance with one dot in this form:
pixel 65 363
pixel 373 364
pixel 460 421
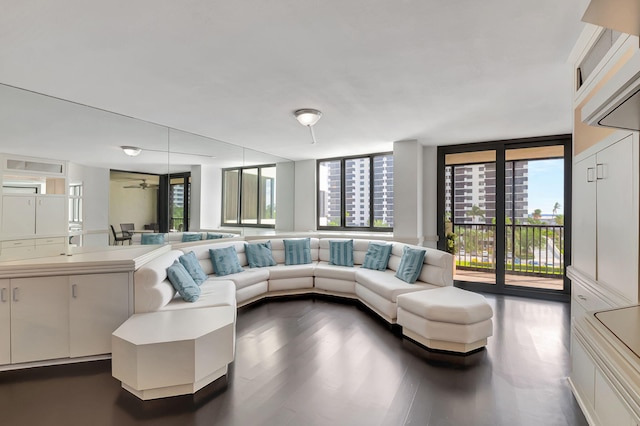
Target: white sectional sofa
pixel 376 289
pixel 176 237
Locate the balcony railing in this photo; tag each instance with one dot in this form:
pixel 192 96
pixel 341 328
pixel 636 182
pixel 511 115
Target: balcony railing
pixel 536 250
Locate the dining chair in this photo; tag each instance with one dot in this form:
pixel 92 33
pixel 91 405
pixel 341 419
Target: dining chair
pixel 127 229
pixel 120 239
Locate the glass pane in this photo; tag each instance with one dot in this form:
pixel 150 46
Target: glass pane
pixel 383 191
pixel 249 201
pixel 534 228
pixel 329 208
pixel 176 203
pixel 230 197
pixel 356 192
pixel 268 195
pixel 470 197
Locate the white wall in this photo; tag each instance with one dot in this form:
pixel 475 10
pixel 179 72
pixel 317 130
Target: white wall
pixel 95 202
pixel 285 200
pixel 430 195
pixel 407 192
pixel 206 197
pixel 305 195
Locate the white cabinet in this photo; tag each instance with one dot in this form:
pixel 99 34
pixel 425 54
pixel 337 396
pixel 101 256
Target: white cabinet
pixel 605 218
pixel 584 217
pixel 609 408
pixel 583 373
pixel 5 322
pixel 99 305
pixel 50 215
pixel 39 319
pixel 18 215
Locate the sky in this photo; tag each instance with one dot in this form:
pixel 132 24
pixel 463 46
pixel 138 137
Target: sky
pixel 546 185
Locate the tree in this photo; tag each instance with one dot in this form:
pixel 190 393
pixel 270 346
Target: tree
pixel 537 214
pixel 559 219
pixel 475 212
pixel 556 207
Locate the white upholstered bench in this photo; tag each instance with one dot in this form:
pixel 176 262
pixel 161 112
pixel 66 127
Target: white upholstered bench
pixel 447 318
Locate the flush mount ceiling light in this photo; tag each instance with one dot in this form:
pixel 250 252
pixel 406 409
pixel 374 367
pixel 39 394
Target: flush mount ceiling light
pixel 131 151
pixel 308 117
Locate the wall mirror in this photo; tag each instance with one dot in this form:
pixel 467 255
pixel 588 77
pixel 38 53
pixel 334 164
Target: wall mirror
pixel 103 185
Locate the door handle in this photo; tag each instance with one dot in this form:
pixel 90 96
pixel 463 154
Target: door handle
pixel 3 296
pixel 74 288
pixel 599 171
pixel 15 294
pixel 590 174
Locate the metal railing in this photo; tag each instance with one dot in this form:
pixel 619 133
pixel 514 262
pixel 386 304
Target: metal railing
pixel 529 249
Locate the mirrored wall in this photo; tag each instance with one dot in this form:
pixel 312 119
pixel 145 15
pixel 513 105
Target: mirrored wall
pixel 35 127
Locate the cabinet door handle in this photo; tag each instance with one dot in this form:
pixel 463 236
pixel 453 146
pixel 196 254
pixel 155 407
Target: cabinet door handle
pixel 15 294
pixel 599 171
pixel 590 174
pixel 3 296
pixel 581 297
pixel 74 288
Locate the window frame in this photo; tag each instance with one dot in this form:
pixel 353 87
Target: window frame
pixel 240 198
pixel 343 221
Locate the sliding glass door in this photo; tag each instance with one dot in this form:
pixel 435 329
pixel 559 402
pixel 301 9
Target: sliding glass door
pixel 502 214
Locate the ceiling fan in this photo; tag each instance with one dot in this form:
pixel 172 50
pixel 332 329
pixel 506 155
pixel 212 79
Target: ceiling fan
pixel 142 185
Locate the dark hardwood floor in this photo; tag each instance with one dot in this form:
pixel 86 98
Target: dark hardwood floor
pixel 318 362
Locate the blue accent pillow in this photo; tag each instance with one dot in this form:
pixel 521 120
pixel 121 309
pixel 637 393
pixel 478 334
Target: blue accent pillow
pixel 225 261
pixel 377 256
pixel 211 236
pixel 191 264
pixel 191 236
pixel 297 252
pixel 341 253
pixel 410 264
pixel 149 238
pixel 182 282
pixel 259 255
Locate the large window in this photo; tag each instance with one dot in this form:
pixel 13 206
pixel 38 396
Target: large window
pixel 249 196
pixel 356 193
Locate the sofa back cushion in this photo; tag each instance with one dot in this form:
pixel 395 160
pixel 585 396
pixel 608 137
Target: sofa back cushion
pixel 151 287
pixel 437 268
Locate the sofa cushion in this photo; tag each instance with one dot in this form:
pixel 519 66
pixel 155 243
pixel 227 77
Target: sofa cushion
pixel 213 293
pixel 225 261
pixel 386 284
pixel 191 236
pixel 325 270
pixel 191 264
pixel 279 272
pixel 259 254
pixel 410 264
pixel 341 253
pixel 246 278
pixel 182 282
pixel 149 238
pixel 447 304
pixel 297 252
pixel 377 256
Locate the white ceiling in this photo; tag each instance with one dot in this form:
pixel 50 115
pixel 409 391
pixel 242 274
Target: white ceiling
pixel 442 72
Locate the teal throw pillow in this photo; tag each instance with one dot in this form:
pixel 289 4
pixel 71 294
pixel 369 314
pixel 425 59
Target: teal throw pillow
pixel 191 236
pixel 182 282
pixel 211 236
pixel 341 253
pixel 259 255
pixel 297 252
pixel 225 261
pixel 191 264
pixel 410 264
pixel 149 238
pixel 377 256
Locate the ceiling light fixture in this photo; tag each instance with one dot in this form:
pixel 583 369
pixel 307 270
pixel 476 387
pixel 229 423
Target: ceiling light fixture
pixel 308 117
pixel 131 151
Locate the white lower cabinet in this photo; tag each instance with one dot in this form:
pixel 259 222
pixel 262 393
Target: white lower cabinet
pixel 39 319
pixel 583 373
pixel 5 322
pixel 99 305
pixel 50 318
pixel 609 408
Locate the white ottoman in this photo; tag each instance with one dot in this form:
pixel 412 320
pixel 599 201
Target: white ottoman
pixel 169 353
pixel 447 318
